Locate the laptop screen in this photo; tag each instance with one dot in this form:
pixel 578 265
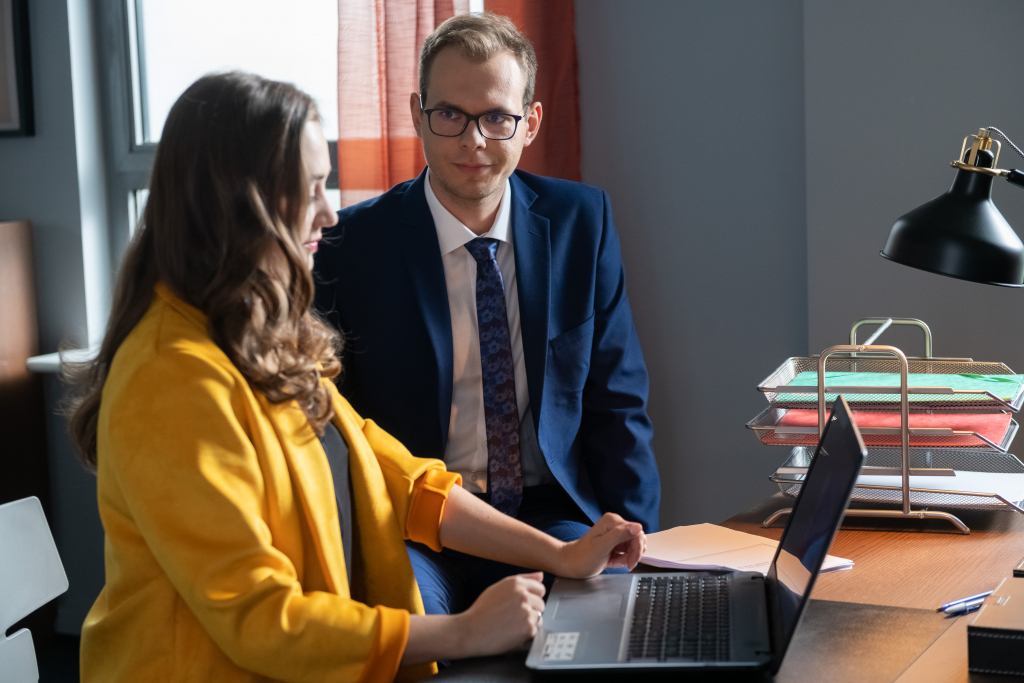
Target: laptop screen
pixel 815 519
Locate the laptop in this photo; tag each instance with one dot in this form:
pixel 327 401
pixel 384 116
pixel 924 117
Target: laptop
pixel 707 620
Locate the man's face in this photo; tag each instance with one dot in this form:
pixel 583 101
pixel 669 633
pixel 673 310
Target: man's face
pixel 470 167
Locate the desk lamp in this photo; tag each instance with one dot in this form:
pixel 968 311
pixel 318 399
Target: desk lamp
pixel 961 233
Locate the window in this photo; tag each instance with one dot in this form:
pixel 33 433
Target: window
pixel 162 47
pixel 177 42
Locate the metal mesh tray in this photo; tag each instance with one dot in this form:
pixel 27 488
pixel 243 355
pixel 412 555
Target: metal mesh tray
pixel 765 426
pixel 780 395
pixel 927 458
pixel 790 481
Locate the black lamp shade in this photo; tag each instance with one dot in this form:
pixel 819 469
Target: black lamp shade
pixel 960 234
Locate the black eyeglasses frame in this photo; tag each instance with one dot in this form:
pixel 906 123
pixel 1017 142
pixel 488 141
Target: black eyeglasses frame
pixel 469 118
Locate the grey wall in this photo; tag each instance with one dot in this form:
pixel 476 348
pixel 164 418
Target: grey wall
pixel 757 155
pixel 692 120
pixel 54 180
pixel 892 88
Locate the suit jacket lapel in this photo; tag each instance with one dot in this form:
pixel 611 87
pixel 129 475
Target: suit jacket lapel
pixel 422 254
pixel 313 485
pixel 531 234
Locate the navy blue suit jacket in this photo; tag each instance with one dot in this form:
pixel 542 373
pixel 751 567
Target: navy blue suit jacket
pixel 380 280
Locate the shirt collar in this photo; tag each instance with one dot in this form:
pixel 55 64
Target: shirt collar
pixel 452 234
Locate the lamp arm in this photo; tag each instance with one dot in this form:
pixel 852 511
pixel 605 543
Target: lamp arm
pixel 1014 176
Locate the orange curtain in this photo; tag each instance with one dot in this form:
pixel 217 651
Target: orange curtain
pixel 550 26
pixel 378 52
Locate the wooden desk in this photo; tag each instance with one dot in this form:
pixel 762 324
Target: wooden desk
pixel 920 563
pixel 876 622
pixel 917 564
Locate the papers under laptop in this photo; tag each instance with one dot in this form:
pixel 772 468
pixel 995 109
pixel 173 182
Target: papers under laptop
pixel 708 619
pixel 708 546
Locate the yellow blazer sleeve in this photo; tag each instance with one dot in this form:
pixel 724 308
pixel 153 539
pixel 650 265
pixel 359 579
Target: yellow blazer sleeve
pixel 194 488
pixel 418 486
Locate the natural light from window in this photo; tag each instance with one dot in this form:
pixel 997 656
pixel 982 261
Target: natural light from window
pixel 292 40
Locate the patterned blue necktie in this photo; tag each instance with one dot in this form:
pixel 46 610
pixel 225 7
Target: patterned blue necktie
pixel 501 411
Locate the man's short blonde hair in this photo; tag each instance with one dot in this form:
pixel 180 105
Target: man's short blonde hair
pixel 479 37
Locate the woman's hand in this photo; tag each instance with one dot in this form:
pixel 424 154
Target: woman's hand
pixel 505 616
pixel 612 542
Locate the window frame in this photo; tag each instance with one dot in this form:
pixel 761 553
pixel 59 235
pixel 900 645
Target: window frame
pixel 129 157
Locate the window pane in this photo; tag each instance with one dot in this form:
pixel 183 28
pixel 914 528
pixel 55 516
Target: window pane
pixel 286 40
pixel 136 207
pixel 334 199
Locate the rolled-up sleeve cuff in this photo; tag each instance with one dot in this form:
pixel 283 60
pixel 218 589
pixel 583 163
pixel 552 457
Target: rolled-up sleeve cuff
pixel 428 498
pixel 388 646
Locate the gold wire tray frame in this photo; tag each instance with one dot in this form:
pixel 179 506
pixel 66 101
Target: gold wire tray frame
pixel 903 461
pixel 904 491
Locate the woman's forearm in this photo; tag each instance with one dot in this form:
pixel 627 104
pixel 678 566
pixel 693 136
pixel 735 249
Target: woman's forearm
pixel 433 637
pixel 471 526
pixel 509 612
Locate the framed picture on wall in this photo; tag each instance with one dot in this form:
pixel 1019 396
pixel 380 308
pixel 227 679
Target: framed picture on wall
pixel 16 115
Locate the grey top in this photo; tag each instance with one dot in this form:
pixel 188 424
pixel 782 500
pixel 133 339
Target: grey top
pixel 337 456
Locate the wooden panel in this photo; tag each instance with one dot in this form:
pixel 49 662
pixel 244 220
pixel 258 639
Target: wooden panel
pixel 19 337
pixel 23 453
pixel 22 423
pixel 914 563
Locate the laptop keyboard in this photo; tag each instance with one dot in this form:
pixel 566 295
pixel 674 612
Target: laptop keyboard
pixel 683 618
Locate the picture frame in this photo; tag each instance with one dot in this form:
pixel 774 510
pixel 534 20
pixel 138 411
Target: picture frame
pixel 17 117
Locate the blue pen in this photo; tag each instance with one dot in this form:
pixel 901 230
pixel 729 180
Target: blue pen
pixel 964 607
pixel 971 598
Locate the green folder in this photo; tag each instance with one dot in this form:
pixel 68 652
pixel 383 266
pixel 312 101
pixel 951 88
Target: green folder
pixel 1006 387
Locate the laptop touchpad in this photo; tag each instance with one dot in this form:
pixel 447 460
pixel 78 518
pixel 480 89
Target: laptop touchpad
pixel 589 607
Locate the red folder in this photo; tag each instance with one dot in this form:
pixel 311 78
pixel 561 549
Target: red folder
pixel 993 426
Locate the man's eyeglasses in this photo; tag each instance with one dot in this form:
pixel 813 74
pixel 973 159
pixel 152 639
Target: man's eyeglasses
pixel 451 123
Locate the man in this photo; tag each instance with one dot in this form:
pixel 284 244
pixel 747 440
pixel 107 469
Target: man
pixel 486 317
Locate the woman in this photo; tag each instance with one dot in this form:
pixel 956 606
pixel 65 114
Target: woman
pixel 234 552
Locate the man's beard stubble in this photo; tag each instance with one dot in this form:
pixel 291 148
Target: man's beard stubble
pixel 460 195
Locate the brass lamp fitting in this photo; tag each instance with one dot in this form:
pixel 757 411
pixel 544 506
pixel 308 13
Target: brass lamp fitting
pixel 982 142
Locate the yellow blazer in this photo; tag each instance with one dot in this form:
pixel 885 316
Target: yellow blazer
pixel 223 548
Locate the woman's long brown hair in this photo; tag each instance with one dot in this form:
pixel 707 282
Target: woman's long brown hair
pixel 227 194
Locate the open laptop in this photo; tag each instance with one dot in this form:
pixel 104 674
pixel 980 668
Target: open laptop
pixel 708 620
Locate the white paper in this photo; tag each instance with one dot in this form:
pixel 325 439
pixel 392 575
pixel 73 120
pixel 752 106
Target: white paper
pixel 1009 486
pixel 708 546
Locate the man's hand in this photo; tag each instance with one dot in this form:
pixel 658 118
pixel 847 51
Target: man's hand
pixel 612 542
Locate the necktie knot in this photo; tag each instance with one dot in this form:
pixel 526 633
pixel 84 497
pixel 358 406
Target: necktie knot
pixel 483 249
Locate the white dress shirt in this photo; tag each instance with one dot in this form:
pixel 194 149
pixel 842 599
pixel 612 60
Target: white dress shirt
pixel 466 452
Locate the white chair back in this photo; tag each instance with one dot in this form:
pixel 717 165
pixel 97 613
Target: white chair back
pixel 31 575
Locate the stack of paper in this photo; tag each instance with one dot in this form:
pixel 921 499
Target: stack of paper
pixel 707 546
pixel 1008 485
